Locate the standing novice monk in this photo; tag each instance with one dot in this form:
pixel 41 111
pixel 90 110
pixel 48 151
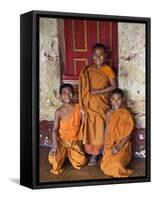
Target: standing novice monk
pixel 117 143
pixel 95 83
pixel 65 133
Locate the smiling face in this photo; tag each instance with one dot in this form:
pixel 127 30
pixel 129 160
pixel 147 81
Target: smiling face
pixel 117 101
pixel 67 95
pixel 99 56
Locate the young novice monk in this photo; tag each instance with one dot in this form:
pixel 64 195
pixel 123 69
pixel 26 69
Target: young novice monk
pixel 95 83
pixel 65 133
pixel 117 143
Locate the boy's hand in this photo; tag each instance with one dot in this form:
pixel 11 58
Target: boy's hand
pixel 95 91
pixel 82 112
pixel 114 150
pixel 54 151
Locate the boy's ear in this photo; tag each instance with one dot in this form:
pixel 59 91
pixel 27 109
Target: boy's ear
pixel 123 99
pixel 111 100
pixel 60 97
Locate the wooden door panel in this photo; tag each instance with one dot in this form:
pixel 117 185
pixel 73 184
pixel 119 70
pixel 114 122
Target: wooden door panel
pixel 80 36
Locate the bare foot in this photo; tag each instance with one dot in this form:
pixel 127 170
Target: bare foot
pixel 93 160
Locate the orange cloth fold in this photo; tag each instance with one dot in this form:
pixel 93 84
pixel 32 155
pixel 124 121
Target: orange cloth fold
pixel 94 106
pixel 106 69
pixel 74 152
pixel 120 126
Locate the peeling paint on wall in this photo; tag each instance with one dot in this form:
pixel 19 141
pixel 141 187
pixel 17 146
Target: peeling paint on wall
pixel 49 68
pixel 131 78
pixel 131 75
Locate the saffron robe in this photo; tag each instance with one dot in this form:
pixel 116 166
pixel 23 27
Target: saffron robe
pixel 95 107
pixel 120 126
pixel 68 144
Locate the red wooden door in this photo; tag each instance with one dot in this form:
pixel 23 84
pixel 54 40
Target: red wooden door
pixel 80 36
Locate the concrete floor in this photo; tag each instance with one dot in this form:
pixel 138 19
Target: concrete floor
pixel 85 173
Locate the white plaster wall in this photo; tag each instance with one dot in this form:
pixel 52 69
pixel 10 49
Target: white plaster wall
pixel 131 77
pixel 49 68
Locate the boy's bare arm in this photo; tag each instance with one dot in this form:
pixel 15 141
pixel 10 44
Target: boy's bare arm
pixel 55 129
pixel 82 115
pixel 106 129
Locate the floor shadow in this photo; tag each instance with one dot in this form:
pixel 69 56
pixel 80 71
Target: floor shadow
pixel 15 180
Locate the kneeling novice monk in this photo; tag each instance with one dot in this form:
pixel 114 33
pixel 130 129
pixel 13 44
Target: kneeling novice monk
pixel 117 143
pixel 65 133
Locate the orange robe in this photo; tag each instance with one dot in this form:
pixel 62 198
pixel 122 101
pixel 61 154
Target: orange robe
pixel 68 143
pixel 120 126
pixel 94 106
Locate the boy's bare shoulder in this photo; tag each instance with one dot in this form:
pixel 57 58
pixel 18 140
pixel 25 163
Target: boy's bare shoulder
pixel 59 110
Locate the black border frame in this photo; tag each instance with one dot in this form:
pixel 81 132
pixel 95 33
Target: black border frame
pixel 29 99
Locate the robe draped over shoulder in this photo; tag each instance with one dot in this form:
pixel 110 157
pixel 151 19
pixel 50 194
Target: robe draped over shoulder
pixel 69 127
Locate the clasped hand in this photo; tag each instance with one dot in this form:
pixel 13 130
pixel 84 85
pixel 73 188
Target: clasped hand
pixel 95 91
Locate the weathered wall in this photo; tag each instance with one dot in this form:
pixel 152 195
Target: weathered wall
pixel 49 68
pixel 131 77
